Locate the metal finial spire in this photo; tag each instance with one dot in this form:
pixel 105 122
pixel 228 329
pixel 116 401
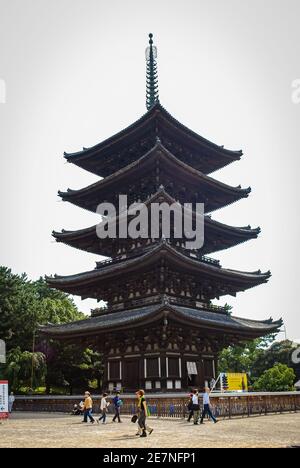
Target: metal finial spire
pixel 151 74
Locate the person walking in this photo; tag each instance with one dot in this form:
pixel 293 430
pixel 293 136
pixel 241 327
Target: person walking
pixel 11 400
pixel 142 412
pixel 148 428
pixel 190 407
pixel 117 402
pixel 206 406
pixel 196 407
pixel 103 407
pixel 88 408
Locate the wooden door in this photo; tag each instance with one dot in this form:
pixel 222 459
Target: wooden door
pixel 131 374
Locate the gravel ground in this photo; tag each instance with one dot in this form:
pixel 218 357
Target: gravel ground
pixel 55 430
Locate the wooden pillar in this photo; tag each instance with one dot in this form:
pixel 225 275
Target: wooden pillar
pixel 163 379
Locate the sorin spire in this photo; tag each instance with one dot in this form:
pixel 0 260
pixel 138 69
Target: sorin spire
pixel 151 74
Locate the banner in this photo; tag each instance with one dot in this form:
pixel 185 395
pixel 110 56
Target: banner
pixel 234 382
pixel 3 399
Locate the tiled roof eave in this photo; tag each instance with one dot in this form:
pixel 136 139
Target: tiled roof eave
pixel 136 317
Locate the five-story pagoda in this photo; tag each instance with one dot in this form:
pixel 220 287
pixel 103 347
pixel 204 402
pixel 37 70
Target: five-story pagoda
pixel 160 330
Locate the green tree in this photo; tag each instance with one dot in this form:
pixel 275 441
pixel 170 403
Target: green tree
pixel 73 367
pixel 24 305
pixel 278 352
pixel 243 358
pixel 22 366
pixel 279 378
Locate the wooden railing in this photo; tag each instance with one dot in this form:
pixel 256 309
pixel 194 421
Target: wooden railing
pixel 175 405
pixel 135 253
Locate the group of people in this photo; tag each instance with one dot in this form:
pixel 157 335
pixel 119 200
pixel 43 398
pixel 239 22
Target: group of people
pixel 87 408
pixel 194 407
pixel 143 412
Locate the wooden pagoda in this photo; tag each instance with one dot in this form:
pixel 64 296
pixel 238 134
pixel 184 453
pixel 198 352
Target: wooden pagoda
pixel 160 330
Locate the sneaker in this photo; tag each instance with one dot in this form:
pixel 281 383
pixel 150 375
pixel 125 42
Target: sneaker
pixel 143 435
pixel 150 432
pixel 137 434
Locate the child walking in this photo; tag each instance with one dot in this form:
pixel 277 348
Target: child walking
pixel 117 402
pixel 196 407
pixel 103 407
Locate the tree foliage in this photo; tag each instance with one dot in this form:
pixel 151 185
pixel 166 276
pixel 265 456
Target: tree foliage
pixel 279 378
pixel 25 369
pixel 24 305
pixel 257 356
pixel 243 358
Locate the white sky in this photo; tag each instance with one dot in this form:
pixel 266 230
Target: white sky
pixel 75 74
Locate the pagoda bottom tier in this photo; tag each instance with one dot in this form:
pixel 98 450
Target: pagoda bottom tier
pixel 160 347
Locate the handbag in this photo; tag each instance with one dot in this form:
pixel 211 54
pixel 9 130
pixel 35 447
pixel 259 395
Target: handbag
pixel 134 418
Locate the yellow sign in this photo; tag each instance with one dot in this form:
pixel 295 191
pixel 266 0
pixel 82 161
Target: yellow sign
pixel 233 382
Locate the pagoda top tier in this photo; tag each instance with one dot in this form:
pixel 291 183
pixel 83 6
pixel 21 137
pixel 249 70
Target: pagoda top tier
pixel 130 144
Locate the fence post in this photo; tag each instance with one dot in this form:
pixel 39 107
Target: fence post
pixel 183 408
pixel 159 408
pixel 266 406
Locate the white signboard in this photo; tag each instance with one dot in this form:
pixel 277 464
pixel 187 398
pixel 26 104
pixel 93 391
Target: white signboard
pixel 192 368
pixel 3 399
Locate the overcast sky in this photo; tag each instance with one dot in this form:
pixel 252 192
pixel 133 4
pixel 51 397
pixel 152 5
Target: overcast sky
pixel 74 72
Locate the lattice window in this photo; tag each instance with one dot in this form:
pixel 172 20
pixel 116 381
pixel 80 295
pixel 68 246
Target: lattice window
pixel 173 365
pixel 152 367
pixel 114 368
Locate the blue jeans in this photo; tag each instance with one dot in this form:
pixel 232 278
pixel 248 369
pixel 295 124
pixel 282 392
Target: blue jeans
pixel 103 417
pixel 207 410
pixel 117 414
pixel 87 414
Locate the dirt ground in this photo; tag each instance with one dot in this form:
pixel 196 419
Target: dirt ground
pixel 56 430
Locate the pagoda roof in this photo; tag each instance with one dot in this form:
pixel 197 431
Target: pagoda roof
pixel 87 239
pixel 142 316
pixel 204 155
pixel 79 284
pixel 213 193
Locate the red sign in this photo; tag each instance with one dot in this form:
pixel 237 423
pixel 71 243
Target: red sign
pixel 3 399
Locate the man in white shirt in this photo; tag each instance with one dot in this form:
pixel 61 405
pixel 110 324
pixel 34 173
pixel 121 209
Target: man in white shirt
pixel 196 407
pixel 206 407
